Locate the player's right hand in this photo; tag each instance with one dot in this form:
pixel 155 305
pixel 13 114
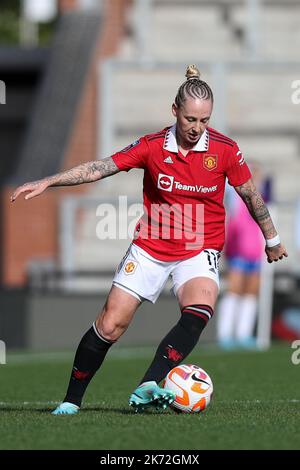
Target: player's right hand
pixel 34 189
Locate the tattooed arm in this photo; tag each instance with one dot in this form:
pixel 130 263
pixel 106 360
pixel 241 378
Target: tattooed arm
pixel 84 173
pixel 257 208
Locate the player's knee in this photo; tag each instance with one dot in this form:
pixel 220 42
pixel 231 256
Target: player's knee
pixel 110 327
pixel 109 331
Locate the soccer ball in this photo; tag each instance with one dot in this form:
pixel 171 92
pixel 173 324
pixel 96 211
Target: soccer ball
pixel 193 388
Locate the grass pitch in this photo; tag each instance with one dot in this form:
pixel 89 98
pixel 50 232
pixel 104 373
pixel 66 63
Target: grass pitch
pixel 256 404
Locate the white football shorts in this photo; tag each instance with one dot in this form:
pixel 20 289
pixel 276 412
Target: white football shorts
pixel 144 276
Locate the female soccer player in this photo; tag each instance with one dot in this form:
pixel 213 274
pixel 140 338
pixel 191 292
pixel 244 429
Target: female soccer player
pixel 180 234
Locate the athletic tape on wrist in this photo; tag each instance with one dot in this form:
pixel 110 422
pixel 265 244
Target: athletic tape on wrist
pixel 273 241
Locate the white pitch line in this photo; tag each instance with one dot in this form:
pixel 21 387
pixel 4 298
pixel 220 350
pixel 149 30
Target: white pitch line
pixel 40 403
pixel 17 403
pixel 292 400
pixel 45 403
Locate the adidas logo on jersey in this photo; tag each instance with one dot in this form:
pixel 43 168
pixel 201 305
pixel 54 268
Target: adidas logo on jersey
pixel 168 160
pixel 241 160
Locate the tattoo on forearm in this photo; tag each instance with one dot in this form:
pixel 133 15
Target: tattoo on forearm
pixel 257 209
pixel 85 173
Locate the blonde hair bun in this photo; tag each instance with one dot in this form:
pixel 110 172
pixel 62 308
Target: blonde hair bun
pixel 192 72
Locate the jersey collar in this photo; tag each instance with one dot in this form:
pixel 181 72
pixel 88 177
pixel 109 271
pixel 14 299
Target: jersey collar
pixel 170 142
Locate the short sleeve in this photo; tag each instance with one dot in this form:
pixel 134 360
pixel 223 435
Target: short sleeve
pixel 133 156
pixel 237 170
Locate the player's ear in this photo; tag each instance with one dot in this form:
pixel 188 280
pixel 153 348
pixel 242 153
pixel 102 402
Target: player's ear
pixel 174 110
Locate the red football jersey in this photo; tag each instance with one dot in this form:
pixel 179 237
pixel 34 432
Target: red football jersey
pixel 183 195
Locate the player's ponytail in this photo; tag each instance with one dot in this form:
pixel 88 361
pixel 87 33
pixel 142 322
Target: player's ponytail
pixel 193 87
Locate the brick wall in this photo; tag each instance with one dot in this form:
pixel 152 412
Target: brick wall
pixel 29 232
pixel 30 229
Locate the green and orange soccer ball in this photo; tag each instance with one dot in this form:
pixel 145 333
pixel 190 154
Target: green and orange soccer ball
pixel 193 388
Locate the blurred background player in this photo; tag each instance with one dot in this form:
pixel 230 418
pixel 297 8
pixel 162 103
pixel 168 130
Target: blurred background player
pixel 244 251
pixel 176 161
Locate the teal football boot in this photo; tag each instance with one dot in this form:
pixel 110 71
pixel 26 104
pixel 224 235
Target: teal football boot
pixel 66 409
pixel 150 394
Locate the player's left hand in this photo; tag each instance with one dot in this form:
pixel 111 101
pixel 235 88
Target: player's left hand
pixel 276 253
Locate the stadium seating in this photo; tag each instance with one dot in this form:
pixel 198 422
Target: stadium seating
pixel 259 111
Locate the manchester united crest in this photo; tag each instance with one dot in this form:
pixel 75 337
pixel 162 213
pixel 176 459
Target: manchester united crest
pixel 130 267
pixel 210 162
